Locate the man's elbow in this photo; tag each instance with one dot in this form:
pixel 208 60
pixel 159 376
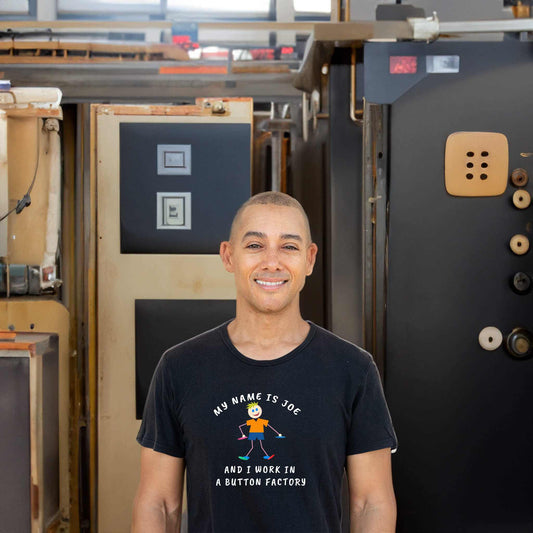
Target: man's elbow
pixel 373 514
pixel 155 514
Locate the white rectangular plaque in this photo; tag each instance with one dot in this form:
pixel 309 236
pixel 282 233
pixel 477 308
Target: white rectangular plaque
pixel 173 210
pixel 174 159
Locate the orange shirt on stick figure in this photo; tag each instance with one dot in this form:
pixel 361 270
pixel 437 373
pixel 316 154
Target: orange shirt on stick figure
pixel 257 430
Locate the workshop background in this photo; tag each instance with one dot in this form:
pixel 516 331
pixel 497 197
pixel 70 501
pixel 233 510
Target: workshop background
pixel 130 132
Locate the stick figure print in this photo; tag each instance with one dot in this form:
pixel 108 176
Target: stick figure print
pixel 257 430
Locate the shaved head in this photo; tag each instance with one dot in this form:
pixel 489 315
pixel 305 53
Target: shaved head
pixel 270 198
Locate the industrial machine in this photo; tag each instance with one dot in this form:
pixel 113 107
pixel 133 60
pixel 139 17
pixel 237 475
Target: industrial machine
pixel 444 200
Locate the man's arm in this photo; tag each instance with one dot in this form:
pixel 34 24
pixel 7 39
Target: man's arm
pixel 157 506
pixel 372 501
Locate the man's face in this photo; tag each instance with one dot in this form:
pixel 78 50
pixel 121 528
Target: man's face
pixel 270 255
pixel 255 411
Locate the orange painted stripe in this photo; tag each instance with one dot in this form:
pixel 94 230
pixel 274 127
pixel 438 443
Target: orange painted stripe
pixel 16 345
pixel 7 335
pixel 194 70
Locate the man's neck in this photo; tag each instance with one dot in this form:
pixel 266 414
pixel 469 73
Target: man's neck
pixel 264 336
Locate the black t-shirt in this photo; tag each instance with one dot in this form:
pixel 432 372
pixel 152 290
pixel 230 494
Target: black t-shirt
pixel 274 469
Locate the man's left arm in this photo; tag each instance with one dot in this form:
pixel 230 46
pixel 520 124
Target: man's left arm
pixel 372 501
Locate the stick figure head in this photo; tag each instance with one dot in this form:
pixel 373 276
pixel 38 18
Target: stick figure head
pixel 254 410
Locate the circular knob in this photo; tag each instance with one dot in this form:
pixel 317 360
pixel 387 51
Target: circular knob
pixel 519 343
pixel 521 283
pixel 490 338
pixel 521 199
pixel 218 108
pixel 519 244
pixel 519 177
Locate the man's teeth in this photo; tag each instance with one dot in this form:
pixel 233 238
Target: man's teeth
pixel 269 283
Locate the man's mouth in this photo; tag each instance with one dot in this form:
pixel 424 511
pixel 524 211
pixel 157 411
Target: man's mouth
pixel 270 284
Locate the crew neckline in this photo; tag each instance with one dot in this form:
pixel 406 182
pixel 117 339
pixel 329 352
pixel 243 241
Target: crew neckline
pixel 223 329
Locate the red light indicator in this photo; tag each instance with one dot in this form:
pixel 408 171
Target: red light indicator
pixel 181 39
pixel 402 64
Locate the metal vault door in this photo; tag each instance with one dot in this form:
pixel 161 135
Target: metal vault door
pixel 463 414
pixel 168 181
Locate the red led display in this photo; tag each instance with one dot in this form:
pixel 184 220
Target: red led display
pixel 402 64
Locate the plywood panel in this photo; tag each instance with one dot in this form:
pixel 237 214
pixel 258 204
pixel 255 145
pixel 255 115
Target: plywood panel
pixel 121 280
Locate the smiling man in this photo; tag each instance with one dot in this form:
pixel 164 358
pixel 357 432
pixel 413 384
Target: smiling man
pixel 325 393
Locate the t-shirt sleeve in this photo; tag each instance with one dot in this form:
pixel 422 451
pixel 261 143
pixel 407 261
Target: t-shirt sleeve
pixel 371 426
pixel 160 429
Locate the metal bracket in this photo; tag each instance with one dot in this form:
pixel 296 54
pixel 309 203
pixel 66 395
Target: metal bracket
pixel 310 109
pixel 425 29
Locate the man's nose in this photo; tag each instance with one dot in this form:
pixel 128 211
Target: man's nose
pixel 272 258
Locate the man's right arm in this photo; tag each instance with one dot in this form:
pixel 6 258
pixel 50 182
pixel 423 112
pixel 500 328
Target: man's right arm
pixel 157 506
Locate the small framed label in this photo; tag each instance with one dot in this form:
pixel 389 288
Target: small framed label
pixel 173 210
pixel 174 159
pixel 442 64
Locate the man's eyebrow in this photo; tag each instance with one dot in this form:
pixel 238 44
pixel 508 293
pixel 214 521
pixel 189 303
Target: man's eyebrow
pixel 291 237
pixel 257 234
pixel 284 236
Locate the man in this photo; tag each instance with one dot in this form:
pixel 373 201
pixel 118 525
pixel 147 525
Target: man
pixel 324 392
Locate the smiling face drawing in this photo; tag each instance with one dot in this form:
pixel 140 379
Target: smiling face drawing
pixel 254 411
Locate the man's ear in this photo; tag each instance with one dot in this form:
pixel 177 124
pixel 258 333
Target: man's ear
pixel 311 258
pixel 225 255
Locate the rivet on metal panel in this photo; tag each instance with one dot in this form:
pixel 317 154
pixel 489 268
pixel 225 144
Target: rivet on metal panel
pixel 519 177
pixel 521 283
pixel 490 338
pixel 521 199
pixel 519 244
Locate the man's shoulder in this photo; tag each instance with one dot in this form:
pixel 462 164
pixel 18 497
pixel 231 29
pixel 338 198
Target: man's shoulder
pixel 340 348
pixel 205 342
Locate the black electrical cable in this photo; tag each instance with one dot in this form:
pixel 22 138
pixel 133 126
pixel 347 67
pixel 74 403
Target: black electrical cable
pixel 25 201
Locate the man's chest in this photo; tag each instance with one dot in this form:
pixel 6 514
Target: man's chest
pixel 303 424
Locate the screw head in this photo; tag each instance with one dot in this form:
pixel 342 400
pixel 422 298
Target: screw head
pixel 218 108
pixel 521 282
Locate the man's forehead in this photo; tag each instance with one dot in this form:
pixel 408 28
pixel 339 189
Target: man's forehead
pixel 257 217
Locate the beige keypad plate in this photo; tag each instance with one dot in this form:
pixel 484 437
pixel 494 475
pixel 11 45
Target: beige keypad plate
pixel 476 163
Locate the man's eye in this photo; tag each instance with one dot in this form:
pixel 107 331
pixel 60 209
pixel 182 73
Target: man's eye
pixel 253 246
pixel 290 247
